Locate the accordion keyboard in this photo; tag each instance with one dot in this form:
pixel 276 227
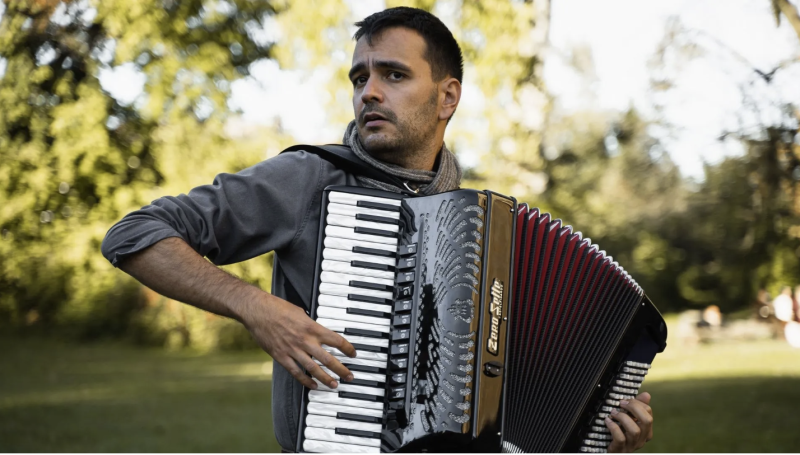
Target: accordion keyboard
pixel 357 287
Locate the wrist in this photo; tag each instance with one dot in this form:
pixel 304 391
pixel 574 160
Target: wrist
pixel 250 304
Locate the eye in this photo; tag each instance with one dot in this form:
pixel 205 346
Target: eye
pixel 360 80
pixel 396 76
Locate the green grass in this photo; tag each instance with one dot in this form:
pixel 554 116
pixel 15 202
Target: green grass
pixel 55 397
pixel 116 398
pixel 732 397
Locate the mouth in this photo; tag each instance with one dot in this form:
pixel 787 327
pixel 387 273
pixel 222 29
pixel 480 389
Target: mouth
pixel 373 119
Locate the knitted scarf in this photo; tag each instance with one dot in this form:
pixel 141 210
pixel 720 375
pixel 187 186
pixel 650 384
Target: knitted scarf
pixel 446 178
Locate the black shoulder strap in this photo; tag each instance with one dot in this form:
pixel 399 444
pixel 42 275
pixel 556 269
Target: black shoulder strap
pixel 343 158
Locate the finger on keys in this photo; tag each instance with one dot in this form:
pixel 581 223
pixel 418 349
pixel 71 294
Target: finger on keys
pixel 297 372
pixel 337 341
pixel 314 370
pixel 642 413
pixel 618 441
pixel 632 430
pixel 334 365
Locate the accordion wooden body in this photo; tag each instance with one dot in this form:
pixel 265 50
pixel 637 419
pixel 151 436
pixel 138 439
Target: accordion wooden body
pixel 480 325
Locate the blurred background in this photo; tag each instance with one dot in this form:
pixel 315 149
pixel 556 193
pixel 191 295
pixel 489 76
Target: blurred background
pixel 667 131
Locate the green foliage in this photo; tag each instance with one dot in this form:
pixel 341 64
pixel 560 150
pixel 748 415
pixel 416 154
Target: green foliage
pixel 73 160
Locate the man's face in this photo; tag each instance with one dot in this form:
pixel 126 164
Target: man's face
pixel 395 100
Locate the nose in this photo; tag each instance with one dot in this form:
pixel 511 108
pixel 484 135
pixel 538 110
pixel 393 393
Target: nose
pixel 371 92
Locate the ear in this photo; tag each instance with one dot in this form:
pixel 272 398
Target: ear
pixel 451 89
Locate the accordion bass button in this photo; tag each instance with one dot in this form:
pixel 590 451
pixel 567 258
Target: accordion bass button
pixel 406 250
pixel 398 363
pixel 402 334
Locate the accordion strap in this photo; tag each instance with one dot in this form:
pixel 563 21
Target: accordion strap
pixel 343 158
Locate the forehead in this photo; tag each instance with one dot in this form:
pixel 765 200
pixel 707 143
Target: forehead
pixel 396 43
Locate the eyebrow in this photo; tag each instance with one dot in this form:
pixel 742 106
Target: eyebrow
pixel 387 64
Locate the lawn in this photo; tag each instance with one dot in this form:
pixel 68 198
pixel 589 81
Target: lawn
pixel 732 397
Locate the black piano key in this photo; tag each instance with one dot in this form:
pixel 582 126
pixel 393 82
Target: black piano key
pixel 377 206
pixel 378 232
pixel 360 396
pixel 400 349
pixel 402 334
pixel 405 277
pixel 365 333
pixel 397 393
pixel 367 383
pixel 369 299
pixel 368 285
pixel 402 319
pixel 357 417
pixel 403 305
pixel 359 433
pixel 407 263
pixel 405 292
pixel 377 219
pixel 372 265
pixel 398 363
pixel 406 250
pixel 364 368
pixel 369 348
pixel 374 252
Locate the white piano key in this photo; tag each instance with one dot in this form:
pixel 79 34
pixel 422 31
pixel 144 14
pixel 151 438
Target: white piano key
pixel 334 423
pixel 344 291
pixel 345 387
pixel 359 361
pixel 313 446
pixel 342 315
pixel 347 256
pixel 382 342
pixel 352 210
pixel 337 325
pixel 321 434
pixel 345 279
pixel 349 233
pixel 366 355
pixel 322 396
pixel 331 410
pixel 346 221
pixel 352 199
pixel 348 244
pixel 356 375
pixel 346 268
pixel 342 302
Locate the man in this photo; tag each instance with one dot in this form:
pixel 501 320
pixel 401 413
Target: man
pixel 406 75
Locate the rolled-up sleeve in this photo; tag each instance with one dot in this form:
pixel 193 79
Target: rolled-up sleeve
pixel 239 216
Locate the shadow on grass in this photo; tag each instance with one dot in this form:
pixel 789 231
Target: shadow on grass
pixel 751 414
pixel 115 398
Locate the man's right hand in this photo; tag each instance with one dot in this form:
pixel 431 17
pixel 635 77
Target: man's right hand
pixel 172 268
pixel 294 340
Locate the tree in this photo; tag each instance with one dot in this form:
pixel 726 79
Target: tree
pixel 73 159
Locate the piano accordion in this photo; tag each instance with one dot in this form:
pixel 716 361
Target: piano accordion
pixel 480 326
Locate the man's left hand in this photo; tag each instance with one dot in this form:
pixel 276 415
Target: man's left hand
pixel 632 429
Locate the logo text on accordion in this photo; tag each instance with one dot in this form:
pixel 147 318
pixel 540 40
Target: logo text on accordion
pixel 496 311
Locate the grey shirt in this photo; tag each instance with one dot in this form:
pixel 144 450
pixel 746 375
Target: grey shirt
pixel 272 206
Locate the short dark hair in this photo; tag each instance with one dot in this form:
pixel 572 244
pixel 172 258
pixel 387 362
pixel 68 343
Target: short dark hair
pixel 442 51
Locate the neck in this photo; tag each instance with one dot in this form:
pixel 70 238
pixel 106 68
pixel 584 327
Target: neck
pixel 419 159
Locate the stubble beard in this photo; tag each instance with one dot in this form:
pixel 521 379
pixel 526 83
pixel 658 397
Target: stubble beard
pixel 411 136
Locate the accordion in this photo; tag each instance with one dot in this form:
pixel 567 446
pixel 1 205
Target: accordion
pixel 480 325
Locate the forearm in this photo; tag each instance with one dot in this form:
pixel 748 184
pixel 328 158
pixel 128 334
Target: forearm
pixel 173 269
